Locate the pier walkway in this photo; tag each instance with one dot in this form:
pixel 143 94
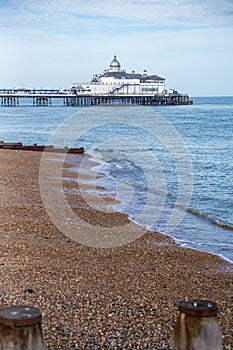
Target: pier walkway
pixel 9 99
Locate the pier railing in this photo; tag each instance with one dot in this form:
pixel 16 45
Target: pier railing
pixel 9 99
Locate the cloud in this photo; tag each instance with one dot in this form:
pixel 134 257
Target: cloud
pixel 169 12
pixel 185 41
pixel 35 18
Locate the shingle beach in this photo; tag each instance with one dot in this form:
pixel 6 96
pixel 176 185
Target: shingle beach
pixel 122 297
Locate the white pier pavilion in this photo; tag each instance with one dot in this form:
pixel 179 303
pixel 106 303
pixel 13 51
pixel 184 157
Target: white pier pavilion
pixel 117 81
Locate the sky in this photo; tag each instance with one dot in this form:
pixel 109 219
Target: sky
pixel 53 43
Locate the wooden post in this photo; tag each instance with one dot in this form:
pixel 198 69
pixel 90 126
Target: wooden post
pixel 20 329
pixel 197 327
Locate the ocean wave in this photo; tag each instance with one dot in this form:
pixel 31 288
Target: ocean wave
pixel 117 170
pixel 215 221
pixel 199 246
pixel 11 114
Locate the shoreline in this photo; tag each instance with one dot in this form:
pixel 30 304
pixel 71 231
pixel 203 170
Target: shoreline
pixel 95 162
pixel 125 296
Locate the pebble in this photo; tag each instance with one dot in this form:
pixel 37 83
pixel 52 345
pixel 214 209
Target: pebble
pixel 116 298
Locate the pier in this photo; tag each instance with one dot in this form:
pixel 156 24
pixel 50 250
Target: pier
pixel 49 99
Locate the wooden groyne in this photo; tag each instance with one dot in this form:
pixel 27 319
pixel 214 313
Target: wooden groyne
pixel 197 328
pixel 20 328
pixel 10 99
pixel 39 148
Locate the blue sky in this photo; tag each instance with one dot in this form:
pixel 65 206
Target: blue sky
pixel 55 42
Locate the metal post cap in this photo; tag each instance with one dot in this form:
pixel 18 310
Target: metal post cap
pixel 19 316
pixel 198 308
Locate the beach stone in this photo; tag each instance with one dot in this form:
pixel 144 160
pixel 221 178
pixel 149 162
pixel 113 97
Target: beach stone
pixel 77 287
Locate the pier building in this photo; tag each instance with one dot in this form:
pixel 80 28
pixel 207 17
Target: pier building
pixel 117 81
pixel 113 86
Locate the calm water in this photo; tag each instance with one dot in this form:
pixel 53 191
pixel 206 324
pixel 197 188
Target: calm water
pixel 171 167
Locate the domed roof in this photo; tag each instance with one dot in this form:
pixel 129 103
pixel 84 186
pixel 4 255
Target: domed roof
pixel 115 65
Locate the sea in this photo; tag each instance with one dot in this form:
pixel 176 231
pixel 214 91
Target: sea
pixel 170 167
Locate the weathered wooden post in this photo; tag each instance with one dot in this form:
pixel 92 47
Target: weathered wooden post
pixel 197 327
pixel 20 328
